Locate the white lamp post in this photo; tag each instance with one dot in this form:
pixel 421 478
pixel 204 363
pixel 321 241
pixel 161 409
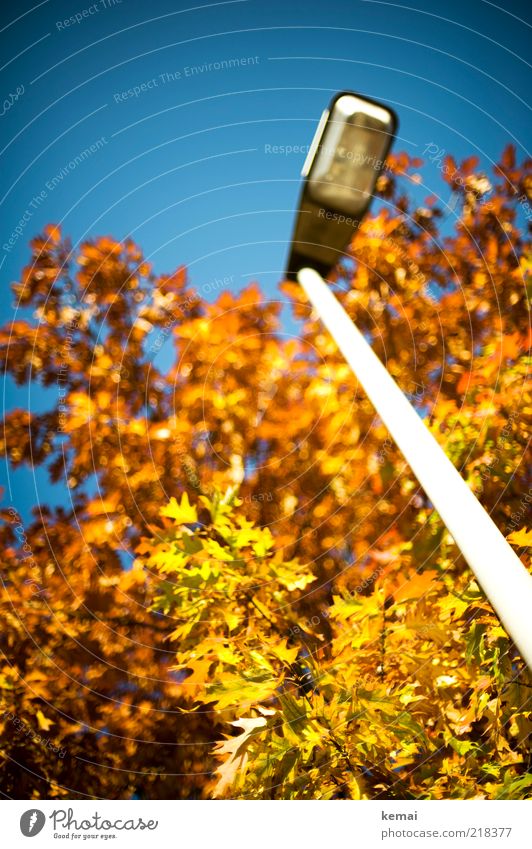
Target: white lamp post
pixel 348 151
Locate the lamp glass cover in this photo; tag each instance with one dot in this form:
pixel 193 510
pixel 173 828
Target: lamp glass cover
pixel 349 154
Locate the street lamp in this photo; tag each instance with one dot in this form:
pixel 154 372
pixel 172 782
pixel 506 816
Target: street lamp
pixel 345 158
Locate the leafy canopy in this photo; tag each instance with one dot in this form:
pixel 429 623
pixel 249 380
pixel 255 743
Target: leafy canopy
pixel 248 594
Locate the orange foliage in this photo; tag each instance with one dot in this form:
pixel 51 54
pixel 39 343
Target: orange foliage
pixel 88 668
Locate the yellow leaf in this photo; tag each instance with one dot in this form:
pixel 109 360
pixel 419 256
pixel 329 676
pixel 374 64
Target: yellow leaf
pixel 43 722
pixel 231 619
pixel 214 549
pixel 283 652
pixel 263 545
pixel 182 513
pixel 354 789
pixel 521 538
pixel 497 631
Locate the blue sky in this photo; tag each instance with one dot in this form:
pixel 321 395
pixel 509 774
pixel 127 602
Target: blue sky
pixel 184 163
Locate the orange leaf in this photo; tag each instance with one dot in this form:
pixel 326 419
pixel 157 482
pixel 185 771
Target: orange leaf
pixel 416 586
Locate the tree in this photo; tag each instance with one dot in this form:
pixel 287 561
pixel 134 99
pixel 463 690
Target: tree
pixel 245 543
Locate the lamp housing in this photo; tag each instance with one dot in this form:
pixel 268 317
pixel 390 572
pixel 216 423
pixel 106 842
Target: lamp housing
pixel 344 161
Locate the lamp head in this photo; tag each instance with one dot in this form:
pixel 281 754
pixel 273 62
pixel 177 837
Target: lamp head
pixel 346 156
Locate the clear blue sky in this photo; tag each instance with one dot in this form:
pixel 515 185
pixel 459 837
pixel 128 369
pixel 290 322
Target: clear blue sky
pixel 183 167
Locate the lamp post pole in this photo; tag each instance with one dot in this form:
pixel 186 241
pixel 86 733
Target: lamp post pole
pixel 499 571
pixel 348 152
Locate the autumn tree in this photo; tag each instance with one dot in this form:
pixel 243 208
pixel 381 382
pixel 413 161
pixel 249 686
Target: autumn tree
pixel 249 594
